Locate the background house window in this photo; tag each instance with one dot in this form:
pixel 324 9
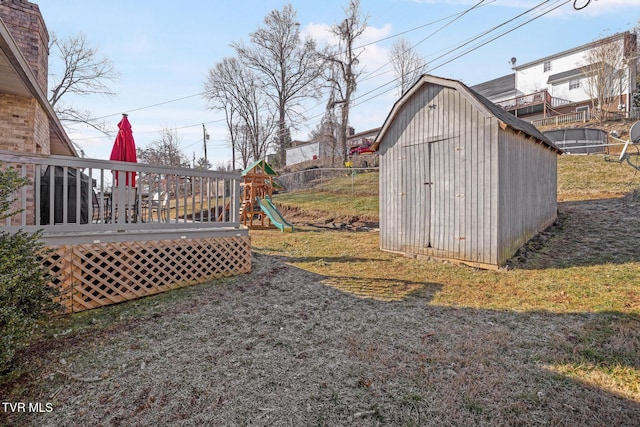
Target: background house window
pixel 547 66
pixel 574 84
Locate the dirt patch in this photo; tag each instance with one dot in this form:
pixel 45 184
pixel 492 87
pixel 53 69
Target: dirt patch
pixel 328 221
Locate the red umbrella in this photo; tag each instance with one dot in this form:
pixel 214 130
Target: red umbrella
pixel 124 149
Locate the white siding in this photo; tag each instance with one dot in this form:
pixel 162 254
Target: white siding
pixel 301 153
pixel 532 78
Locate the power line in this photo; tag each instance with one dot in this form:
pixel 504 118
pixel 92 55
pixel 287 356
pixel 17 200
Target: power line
pixel 484 43
pixel 151 106
pixel 455 16
pixel 359 98
pixel 457 47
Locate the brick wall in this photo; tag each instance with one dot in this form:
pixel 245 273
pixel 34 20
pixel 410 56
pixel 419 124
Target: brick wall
pixel 17 123
pixel 24 21
pixel 24 125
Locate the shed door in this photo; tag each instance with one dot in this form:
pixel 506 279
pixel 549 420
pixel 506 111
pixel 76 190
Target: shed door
pixel 416 196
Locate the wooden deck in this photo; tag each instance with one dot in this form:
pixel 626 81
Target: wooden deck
pixel 108 242
pixel 534 103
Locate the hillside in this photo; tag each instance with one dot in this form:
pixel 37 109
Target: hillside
pixel 354 200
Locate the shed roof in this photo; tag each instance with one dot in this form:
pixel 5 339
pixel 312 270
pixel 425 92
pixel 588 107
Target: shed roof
pixel 489 108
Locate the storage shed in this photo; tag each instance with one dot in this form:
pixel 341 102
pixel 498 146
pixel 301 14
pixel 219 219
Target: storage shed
pixel 461 178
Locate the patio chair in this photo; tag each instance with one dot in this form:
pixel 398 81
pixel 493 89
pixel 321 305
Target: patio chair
pixel 95 205
pixel 159 203
pixel 130 204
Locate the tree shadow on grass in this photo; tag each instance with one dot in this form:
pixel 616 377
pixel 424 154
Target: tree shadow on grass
pixel 588 232
pixel 286 346
pixel 416 362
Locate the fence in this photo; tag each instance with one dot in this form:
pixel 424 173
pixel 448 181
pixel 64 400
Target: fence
pixel 110 241
pixel 71 194
pixel 316 177
pixel 580 116
pixel 585 116
pixel 579 140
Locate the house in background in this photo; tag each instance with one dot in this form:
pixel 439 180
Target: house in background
pixel 28 123
pixel 460 178
pixel 301 151
pixel 557 84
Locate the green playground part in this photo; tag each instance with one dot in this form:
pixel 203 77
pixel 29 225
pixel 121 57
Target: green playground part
pixel 274 214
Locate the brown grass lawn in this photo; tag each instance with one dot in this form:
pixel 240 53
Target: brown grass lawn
pixel 329 330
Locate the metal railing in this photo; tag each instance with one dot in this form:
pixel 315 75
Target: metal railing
pixel 69 194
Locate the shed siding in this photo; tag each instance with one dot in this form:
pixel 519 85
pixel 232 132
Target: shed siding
pixel 438 179
pixel 528 188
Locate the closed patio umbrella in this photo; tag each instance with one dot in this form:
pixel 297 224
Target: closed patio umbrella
pixel 124 149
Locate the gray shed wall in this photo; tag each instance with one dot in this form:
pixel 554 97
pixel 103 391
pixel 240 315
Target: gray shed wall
pixel 528 191
pixel 454 185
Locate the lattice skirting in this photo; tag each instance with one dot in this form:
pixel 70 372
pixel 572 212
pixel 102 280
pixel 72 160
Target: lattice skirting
pixel 94 275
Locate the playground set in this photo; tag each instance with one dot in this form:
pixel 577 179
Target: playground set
pixel 257 207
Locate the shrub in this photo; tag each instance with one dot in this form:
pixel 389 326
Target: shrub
pixel 25 296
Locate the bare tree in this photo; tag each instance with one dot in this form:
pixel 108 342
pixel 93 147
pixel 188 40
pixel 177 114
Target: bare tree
pixel 636 34
pixel 84 72
pixel 233 88
pixel 408 65
pixel 326 132
pixel 164 151
pixel 346 61
pixel 606 75
pixel 289 67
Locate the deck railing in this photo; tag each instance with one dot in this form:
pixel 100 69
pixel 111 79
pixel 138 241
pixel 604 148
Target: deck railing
pixel 541 97
pixel 79 195
pixel 579 116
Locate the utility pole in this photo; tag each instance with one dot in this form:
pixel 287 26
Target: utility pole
pixel 205 137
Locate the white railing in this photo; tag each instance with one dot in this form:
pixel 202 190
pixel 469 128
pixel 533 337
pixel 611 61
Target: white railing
pixel 69 194
pixel 580 116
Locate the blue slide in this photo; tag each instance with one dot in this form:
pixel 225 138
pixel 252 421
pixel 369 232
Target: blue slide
pixel 274 214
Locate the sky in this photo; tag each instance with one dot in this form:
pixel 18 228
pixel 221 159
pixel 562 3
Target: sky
pixel 163 50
